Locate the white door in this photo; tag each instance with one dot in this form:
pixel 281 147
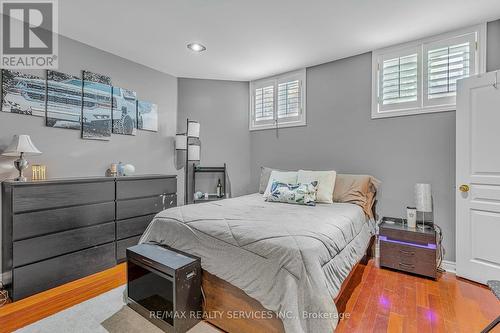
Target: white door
pixel 478 178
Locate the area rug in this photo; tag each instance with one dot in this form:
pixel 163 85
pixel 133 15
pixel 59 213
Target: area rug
pixel 106 313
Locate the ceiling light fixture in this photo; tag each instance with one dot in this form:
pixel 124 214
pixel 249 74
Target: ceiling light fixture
pixel 196 47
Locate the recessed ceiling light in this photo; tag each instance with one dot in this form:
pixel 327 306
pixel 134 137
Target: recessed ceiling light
pixel 196 47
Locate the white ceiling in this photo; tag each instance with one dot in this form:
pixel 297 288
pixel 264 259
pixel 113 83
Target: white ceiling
pixel 250 39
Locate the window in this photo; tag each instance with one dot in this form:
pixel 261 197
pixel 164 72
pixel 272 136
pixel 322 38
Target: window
pixel 421 77
pixel 278 101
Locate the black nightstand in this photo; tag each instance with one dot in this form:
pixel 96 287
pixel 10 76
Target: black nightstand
pixel 406 249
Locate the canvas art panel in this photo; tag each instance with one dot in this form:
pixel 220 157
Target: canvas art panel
pixel 23 93
pixel 147 116
pixel 64 100
pixel 97 106
pixel 124 111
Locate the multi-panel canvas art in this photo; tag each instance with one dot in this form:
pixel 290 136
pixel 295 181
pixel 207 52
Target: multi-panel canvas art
pixel 124 111
pixel 96 112
pixel 23 93
pixel 147 116
pixel 91 105
pixel 64 100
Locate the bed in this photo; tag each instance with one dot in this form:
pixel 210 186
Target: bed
pixel 268 266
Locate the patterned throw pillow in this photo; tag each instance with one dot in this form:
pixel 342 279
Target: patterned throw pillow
pixel 301 194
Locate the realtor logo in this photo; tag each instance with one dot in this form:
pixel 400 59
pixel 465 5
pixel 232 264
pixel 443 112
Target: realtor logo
pixel 29 34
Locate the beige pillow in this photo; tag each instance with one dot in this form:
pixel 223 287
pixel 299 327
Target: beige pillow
pixel 265 173
pixel 356 189
pixel 326 183
pixel 287 177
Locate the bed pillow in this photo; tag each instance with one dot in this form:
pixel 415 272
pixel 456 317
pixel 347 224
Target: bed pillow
pixel 265 173
pixel 326 183
pixel 356 189
pixel 300 194
pixel 286 177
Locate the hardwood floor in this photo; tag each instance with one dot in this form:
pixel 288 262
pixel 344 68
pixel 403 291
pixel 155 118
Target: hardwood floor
pixel 26 311
pixel 390 301
pixel 384 301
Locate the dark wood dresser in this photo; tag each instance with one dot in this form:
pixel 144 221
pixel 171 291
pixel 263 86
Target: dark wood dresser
pixel 137 202
pixel 406 249
pixel 56 231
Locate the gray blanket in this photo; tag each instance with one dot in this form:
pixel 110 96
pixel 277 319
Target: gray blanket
pixel 291 258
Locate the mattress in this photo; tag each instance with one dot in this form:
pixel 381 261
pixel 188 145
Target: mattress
pixel 293 259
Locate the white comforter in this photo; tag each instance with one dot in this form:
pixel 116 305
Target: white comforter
pixel 291 258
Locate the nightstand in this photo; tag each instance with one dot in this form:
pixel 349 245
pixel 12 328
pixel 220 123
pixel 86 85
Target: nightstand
pixel 406 249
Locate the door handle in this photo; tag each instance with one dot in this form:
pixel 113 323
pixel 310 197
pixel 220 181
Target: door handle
pixel 464 188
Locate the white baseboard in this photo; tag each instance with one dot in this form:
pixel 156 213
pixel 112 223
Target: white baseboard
pixel 448 266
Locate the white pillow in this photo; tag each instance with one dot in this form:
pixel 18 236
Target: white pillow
pixel 287 177
pixel 326 183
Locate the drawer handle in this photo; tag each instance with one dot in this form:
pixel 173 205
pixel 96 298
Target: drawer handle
pixel 147 261
pixel 406 265
pixel 407 253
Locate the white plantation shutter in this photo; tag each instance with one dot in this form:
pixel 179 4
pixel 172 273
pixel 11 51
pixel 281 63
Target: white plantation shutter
pixel 446 62
pixel 400 80
pixel 445 66
pixel 399 77
pixel 264 103
pixel 278 101
pixel 289 99
pixel 421 76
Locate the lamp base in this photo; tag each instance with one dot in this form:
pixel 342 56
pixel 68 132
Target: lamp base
pixel 20 165
pixel 20 179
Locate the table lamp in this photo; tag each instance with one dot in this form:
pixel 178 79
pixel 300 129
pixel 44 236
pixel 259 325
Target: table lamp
pixel 423 200
pixel 21 146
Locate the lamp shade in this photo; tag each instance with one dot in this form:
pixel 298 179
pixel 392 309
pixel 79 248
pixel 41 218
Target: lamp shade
pixel 193 129
pixel 181 141
pixel 21 144
pixel 423 197
pixel 193 153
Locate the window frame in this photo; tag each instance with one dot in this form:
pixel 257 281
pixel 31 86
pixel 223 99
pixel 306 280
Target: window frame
pixel 276 122
pixel 424 45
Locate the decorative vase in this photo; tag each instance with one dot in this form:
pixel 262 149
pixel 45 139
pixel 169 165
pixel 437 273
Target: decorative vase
pixel 128 170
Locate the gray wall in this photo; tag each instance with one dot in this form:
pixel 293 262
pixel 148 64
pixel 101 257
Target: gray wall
pixel 493 53
pixel 339 135
pixel 66 155
pixel 221 107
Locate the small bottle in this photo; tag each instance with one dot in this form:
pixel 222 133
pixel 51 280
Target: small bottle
pixel 120 169
pixel 219 190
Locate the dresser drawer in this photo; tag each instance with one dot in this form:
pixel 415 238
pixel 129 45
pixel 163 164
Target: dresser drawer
pixel 128 189
pixel 419 267
pixel 34 278
pixel 37 197
pixel 132 227
pixel 413 237
pixel 27 225
pixel 122 245
pixel 39 248
pixel 406 253
pixel 145 206
pixel 408 258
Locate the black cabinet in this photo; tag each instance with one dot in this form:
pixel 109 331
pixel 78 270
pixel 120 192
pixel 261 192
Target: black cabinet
pixel 167 283
pixel 56 231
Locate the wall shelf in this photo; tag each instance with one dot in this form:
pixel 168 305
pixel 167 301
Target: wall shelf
pixel 212 169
